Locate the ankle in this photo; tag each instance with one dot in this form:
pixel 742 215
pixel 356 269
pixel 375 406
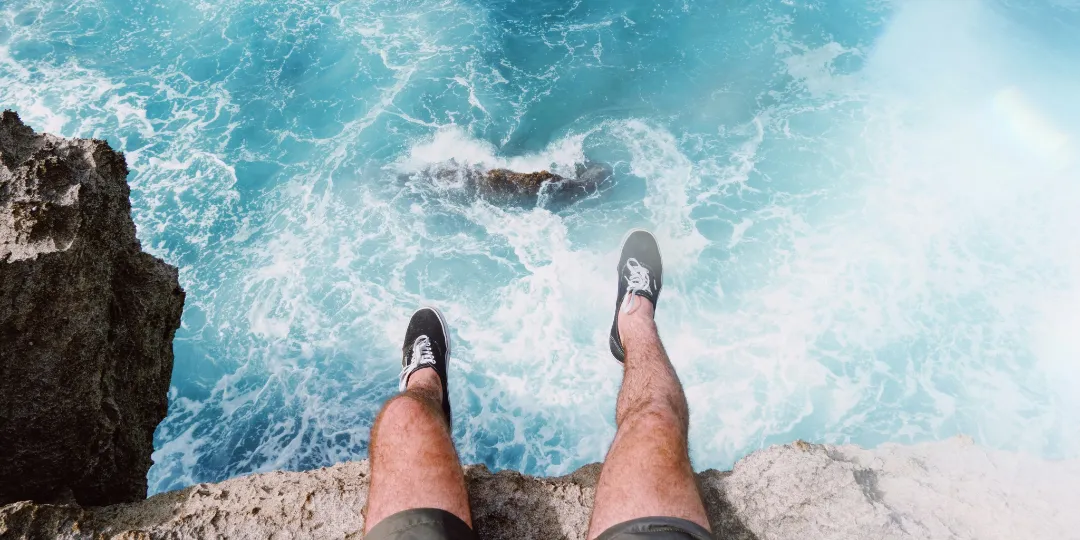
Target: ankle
pixel 638 320
pixel 425 383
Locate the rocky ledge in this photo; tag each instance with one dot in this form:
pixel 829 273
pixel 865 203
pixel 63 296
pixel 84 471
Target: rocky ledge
pixel 86 324
pixel 949 490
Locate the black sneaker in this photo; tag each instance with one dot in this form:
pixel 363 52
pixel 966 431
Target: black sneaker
pixel 427 345
pixel 641 273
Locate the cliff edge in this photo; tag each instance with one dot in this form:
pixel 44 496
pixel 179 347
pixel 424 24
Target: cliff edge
pixel 86 324
pixel 946 490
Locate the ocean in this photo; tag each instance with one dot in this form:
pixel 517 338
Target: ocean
pixel 868 212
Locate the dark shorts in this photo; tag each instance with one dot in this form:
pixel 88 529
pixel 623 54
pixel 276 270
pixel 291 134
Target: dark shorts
pixel 434 524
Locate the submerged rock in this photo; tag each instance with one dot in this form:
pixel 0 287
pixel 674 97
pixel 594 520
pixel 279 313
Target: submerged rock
pixel 945 490
pixel 507 180
pixel 507 186
pixel 86 324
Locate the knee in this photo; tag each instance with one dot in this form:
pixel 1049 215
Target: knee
pixel 407 413
pixel 657 416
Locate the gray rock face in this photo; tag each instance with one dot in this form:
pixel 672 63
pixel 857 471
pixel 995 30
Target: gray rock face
pixel 948 490
pixel 86 324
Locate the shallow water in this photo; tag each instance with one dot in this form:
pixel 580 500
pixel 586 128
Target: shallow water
pixel 867 211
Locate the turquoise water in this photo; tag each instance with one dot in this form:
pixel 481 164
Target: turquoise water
pixel 867 211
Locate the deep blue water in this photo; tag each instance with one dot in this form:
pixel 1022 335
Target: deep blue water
pixel 867 211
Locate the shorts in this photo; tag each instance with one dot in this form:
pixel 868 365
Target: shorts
pixel 435 524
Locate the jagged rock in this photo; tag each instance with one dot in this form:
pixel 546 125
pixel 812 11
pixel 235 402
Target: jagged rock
pixel 946 490
pixel 507 186
pixel 86 324
pixel 505 179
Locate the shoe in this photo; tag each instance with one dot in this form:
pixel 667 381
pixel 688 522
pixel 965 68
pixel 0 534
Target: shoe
pixel 427 345
pixel 641 273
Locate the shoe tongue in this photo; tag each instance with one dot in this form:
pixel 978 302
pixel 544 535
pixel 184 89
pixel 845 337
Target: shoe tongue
pixel 648 291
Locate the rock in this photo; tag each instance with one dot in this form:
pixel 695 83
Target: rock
pixel 505 180
pixel 945 490
pixel 507 186
pixel 86 324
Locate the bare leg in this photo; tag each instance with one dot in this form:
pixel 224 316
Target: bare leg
pixel 647 472
pixel 413 461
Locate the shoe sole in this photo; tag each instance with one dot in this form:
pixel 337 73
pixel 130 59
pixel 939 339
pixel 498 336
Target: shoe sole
pixel 622 246
pixel 445 329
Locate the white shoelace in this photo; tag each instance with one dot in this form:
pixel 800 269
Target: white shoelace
pixel 421 349
pixel 638 280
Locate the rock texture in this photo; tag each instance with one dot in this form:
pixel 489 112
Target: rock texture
pixel 507 186
pixel 86 324
pixel 947 490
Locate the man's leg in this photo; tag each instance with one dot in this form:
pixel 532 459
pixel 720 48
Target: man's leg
pixel 417 484
pixel 647 472
pixel 413 461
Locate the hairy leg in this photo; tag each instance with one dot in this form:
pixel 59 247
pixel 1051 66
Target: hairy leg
pixel 413 461
pixel 647 472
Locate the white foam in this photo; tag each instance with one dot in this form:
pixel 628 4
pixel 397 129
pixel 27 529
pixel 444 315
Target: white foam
pixel 670 177
pixel 814 69
pixel 453 144
pixel 926 284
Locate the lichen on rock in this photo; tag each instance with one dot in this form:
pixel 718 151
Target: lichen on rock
pixel 86 324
